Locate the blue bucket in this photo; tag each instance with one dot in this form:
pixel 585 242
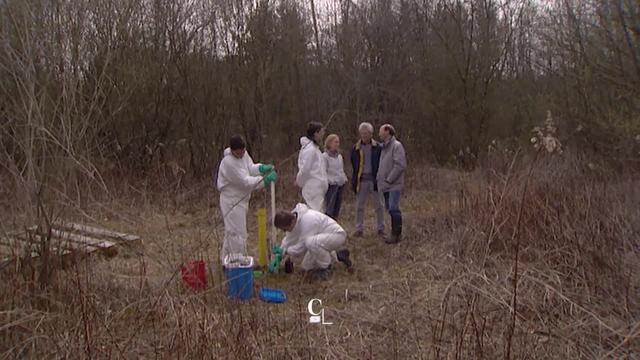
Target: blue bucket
pixel 238 270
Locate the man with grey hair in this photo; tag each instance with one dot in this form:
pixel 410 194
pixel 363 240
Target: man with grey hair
pixel 365 157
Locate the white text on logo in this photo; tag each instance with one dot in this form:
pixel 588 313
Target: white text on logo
pixel 317 317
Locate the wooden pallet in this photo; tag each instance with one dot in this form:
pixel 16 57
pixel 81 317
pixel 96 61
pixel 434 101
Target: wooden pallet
pixel 65 238
pixel 14 248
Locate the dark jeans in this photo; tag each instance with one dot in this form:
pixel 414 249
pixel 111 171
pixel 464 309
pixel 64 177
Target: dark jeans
pixel 392 203
pixel 333 200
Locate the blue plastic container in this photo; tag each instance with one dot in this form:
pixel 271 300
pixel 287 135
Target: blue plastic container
pixel 272 295
pixel 238 270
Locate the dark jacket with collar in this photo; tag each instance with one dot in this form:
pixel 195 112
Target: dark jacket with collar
pixel 357 163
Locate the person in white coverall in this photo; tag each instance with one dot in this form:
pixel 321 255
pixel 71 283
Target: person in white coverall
pixel 314 237
pixel 312 171
pixel 238 176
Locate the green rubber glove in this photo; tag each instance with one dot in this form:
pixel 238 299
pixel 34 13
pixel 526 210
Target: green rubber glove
pixel 270 177
pixel 264 168
pixel 277 258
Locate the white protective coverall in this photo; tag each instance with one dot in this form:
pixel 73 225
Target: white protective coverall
pixel 315 236
pixel 312 174
pixel 237 178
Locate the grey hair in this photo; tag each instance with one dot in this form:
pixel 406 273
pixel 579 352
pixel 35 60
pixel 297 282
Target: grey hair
pixel 367 126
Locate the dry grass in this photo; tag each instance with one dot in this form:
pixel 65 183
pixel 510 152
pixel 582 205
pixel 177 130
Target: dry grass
pixel 445 292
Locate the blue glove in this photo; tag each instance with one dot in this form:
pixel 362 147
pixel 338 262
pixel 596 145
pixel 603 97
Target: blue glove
pixel 264 168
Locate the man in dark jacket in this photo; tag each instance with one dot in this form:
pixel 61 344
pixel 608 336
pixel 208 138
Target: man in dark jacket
pixel 393 163
pixel 365 158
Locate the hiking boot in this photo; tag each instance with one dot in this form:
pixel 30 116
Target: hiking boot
pixel 320 274
pixel 396 230
pixel 343 257
pixel 358 234
pixel 393 239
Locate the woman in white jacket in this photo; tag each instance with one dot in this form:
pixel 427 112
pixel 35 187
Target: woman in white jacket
pixel 313 237
pixel 238 177
pixel 312 172
pixel 335 176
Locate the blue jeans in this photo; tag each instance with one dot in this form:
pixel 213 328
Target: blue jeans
pixel 333 201
pixel 392 204
pixel 392 201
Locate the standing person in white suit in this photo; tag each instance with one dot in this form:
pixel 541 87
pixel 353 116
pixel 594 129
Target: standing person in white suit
pixel 238 177
pixel 312 171
pixel 314 237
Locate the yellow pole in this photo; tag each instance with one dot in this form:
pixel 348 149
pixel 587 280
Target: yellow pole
pixel 262 237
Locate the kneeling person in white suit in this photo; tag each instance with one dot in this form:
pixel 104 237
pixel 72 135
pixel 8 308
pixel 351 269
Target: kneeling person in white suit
pixel 314 237
pixel 238 176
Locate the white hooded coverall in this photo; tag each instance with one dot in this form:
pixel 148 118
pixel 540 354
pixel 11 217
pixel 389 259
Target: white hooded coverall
pixel 315 236
pixel 312 174
pixel 237 178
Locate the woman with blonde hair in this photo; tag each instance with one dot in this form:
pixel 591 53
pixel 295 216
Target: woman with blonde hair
pixel 336 177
